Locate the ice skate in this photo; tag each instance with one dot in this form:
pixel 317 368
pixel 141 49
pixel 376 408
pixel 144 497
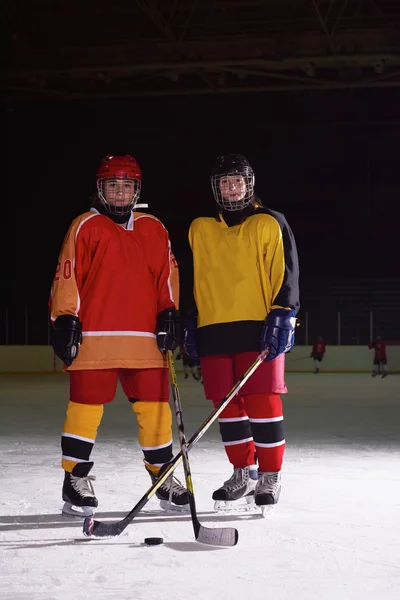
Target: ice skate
pixel 78 492
pixel 172 494
pixel 241 484
pixel 384 374
pixel 374 374
pixel 267 491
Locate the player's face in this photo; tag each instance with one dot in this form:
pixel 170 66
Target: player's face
pixel 233 187
pixel 119 191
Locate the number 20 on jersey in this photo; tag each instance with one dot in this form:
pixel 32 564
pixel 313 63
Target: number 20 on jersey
pixel 64 270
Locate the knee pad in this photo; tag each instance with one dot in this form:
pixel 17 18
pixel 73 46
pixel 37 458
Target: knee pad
pixel 263 406
pixel 235 408
pixel 83 420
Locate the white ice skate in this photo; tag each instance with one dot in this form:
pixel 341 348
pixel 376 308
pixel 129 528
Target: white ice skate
pixel 241 484
pixel 267 491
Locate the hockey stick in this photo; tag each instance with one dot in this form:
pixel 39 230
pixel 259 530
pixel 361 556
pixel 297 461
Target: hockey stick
pixel 100 529
pixel 219 536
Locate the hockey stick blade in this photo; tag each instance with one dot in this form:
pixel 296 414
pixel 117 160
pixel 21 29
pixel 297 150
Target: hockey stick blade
pixel 211 536
pixel 218 536
pixel 221 536
pixel 94 528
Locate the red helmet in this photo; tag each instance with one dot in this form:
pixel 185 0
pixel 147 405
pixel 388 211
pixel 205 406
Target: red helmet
pixel 119 166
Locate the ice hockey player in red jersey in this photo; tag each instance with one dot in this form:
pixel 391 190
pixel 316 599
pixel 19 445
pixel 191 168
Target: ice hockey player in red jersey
pixel 114 305
pixel 246 292
pixel 380 359
pixel 317 353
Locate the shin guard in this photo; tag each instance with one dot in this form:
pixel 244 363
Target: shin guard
pixel 155 433
pixel 79 433
pixel 266 422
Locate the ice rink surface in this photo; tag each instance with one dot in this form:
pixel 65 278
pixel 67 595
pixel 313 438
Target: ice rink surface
pixel 335 534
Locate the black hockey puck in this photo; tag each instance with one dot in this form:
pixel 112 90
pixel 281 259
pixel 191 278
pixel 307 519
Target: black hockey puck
pixel 153 541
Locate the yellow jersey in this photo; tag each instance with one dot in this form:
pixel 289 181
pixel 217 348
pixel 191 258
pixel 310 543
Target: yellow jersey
pixel 241 272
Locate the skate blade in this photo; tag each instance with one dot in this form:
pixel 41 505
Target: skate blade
pixel 227 506
pixel 77 511
pixel 174 508
pixel 267 509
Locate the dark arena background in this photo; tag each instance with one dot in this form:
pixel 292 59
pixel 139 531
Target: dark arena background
pixel 309 92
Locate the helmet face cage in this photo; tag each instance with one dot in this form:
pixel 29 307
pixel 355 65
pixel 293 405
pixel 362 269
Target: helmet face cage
pixel 232 182
pixel 233 190
pixel 119 194
pixel 119 183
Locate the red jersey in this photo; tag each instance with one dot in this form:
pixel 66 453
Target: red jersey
pixel 379 348
pixel 116 281
pixel 318 347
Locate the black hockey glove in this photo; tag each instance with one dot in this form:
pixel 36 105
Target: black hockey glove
pixel 167 330
pixel 67 337
pixel 278 332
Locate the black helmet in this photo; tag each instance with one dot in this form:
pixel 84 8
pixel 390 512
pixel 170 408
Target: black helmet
pixel 239 193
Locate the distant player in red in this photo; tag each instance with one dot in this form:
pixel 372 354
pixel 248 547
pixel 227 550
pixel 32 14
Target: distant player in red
pixel 380 360
pixel 317 353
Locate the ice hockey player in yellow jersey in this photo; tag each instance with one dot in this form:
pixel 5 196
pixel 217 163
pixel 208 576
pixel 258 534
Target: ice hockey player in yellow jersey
pixel 246 294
